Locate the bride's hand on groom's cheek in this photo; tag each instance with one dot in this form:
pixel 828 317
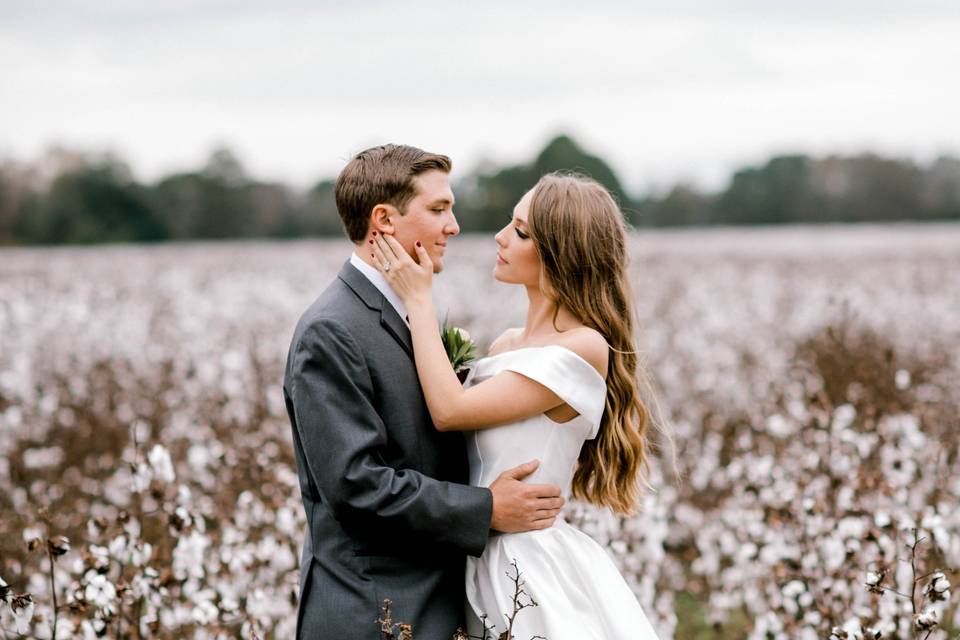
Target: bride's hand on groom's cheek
pixel 411 280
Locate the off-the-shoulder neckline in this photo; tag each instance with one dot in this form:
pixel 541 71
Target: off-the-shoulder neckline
pixel 547 346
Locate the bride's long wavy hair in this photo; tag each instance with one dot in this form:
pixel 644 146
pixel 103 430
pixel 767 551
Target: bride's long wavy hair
pixel 580 236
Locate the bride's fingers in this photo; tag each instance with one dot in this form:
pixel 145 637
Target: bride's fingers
pixel 423 257
pixel 378 258
pixel 390 245
pixel 384 254
pixel 395 246
pixel 380 241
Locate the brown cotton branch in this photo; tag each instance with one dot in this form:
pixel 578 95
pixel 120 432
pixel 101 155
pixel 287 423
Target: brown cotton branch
pixel 53 591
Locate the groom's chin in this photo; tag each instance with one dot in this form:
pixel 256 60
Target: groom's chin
pixel 437 266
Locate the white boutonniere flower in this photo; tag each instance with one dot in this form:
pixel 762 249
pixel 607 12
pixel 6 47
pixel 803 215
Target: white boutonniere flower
pixel 461 350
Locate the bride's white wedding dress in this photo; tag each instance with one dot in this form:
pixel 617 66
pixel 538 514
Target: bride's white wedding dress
pixel 579 592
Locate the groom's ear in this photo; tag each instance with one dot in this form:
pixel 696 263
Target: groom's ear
pixel 382 217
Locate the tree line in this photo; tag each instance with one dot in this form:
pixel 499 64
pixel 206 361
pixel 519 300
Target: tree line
pixel 87 198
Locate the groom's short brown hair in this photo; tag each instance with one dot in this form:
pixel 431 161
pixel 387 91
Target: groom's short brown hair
pixel 381 175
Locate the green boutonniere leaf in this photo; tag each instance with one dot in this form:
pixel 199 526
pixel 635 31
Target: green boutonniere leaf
pixel 461 350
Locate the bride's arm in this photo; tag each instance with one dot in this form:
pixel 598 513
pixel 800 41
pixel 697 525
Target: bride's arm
pixel 506 397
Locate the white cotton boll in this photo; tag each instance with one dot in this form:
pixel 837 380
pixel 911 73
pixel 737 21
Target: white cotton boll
pixel 840 464
pixel 140 430
pixel 778 426
pixel 258 605
pixel 42 457
pixel 160 461
pixel 850 527
pixel 100 556
pixel 808 633
pixel 865 443
pixel 184 495
pixel 118 547
pixel 233 361
pixel 205 612
pixel 853 629
pixel 746 552
pixel 287 522
pixel 142 477
pixel 99 590
pixel 907 524
pixel 22 609
pixel 834 553
pixel 927 619
pixel 793 589
pixel 140 554
pixel 843 417
pixel 188 556
pixel 32 533
pixel 763 626
pixel 13 417
pixel 198 456
pixel 846 498
pixel 902 379
pixel 618 548
pixel 938 589
pixel 881 519
pixel 89 630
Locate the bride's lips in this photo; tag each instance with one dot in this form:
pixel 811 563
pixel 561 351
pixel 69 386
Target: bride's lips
pixel 500 259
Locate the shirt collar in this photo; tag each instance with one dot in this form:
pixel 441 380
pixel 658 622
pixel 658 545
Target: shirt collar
pixel 377 280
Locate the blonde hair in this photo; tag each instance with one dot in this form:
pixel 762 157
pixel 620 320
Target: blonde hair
pixel 580 236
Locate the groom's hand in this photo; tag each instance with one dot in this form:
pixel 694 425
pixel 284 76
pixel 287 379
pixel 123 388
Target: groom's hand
pixel 518 506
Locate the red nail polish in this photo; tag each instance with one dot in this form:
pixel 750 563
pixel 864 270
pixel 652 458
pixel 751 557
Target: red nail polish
pixel 418 243
pixel 370 241
pixel 374 233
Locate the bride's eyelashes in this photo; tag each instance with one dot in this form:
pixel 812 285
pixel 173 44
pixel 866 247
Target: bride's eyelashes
pixel 520 233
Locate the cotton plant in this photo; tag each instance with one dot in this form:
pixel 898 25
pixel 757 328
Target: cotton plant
pixel 141 408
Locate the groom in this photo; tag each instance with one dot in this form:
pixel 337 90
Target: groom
pixel 389 511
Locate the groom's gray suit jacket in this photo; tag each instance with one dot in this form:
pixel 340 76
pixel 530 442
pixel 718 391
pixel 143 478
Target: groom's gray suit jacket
pixel 388 512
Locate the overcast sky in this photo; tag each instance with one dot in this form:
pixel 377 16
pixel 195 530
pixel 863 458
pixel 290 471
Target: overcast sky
pixel 665 93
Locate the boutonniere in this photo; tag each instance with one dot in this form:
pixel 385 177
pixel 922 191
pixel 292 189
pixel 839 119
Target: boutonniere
pixel 461 350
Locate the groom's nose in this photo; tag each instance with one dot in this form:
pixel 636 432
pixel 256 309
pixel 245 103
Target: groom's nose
pixel 451 228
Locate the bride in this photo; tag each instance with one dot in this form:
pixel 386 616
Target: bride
pixel 564 389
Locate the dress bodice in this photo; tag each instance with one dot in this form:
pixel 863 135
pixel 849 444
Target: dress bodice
pixel 557 445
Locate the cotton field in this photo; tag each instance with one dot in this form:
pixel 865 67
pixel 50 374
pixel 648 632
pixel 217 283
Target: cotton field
pixel 809 375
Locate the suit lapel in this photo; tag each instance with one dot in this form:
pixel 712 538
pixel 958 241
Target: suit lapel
pixel 391 321
pixel 371 296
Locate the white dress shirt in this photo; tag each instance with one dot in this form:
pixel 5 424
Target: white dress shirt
pixel 377 279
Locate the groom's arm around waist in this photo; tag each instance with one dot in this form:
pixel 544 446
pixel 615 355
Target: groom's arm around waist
pixel 343 437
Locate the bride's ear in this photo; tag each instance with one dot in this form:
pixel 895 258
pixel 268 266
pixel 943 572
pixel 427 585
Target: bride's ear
pixel 382 218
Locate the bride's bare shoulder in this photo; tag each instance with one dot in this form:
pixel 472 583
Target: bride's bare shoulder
pixel 590 345
pixel 504 341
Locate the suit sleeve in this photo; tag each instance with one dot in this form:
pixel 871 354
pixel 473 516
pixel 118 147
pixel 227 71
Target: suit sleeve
pixel 342 436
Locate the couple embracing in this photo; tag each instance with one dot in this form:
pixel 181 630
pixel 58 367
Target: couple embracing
pixel 423 490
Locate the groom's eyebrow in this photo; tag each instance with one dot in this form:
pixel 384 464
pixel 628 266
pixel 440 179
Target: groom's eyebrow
pixel 443 201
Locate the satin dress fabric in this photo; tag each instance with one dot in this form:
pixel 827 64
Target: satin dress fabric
pixel 579 592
